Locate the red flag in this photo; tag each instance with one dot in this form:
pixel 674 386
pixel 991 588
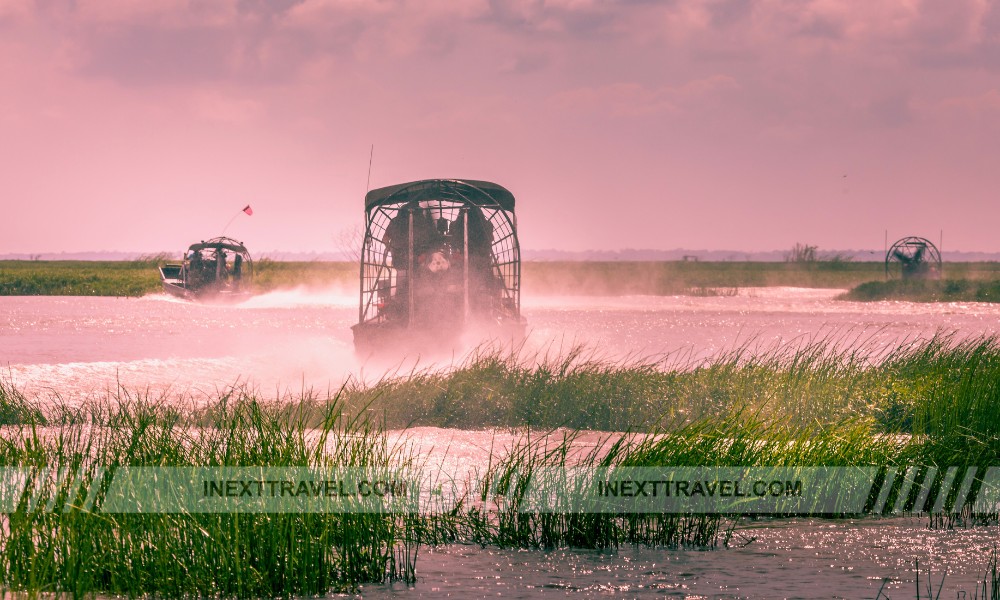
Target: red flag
pixel 248 210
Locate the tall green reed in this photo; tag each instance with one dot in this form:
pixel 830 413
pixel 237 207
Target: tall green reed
pixel 55 544
pixel 829 402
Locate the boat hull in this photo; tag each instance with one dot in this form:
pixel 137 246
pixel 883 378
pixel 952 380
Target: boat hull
pixel 177 290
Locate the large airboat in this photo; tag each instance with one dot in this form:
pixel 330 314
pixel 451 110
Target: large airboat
pixel 440 259
pixel 218 269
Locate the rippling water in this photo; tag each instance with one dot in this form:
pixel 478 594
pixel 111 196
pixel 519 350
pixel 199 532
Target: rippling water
pixel 78 348
pixel 791 559
pixel 284 340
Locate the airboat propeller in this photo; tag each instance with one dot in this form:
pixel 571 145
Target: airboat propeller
pixel 913 258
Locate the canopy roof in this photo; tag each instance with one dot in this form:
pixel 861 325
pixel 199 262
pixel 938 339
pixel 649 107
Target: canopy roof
pixel 223 243
pixel 428 189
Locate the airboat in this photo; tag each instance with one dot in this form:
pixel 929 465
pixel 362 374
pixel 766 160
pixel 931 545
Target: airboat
pixel 218 269
pixel 440 260
pixel 913 258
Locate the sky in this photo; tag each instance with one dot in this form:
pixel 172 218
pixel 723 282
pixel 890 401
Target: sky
pixel 714 124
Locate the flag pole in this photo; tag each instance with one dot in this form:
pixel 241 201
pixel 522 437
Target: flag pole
pixel 246 209
pixel 371 155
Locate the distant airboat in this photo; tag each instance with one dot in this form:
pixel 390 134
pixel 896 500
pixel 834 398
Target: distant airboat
pixel 913 258
pixel 220 268
pixel 440 258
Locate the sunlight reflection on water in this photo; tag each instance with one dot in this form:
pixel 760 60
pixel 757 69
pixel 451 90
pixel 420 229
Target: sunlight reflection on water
pixel 790 559
pixel 287 339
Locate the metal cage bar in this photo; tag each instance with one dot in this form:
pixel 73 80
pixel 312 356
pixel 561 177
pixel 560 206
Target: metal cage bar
pixel 447 207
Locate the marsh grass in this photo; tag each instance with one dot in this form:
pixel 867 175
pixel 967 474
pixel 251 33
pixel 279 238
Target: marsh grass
pixel 929 586
pixel 832 402
pixel 77 278
pixel 918 290
pixel 140 276
pixel 955 391
pixel 941 386
pixel 272 274
pixel 697 278
pixel 53 545
pixel 504 517
pixel 967 281
pixel 15 408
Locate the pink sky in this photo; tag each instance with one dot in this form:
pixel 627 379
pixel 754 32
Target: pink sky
pixel 143 126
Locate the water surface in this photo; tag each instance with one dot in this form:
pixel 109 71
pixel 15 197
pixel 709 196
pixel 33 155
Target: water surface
pixel 287 340
pixel 79 348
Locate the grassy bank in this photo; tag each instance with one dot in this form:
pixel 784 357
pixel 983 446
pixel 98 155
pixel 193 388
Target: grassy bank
pixel 709 278
pixel 136 278
pixel 930 403
pixel 677 277
pixel 947 290
pixel 940 387
pixel 141 277
pixel 823 382
pixel 77 278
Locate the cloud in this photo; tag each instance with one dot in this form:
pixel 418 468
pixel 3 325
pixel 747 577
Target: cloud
pixel 636 100
pixel 893 110
pixel 267 9
pixel 526 62
pixel 726 13
pixel 176 42
pixel 134 41
pixel 985 105
pixel 83 16
pixel 14 11
pixel 824 26
pixel 158 55
pixel 214 105
pixel 568 18
pixel 946 35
